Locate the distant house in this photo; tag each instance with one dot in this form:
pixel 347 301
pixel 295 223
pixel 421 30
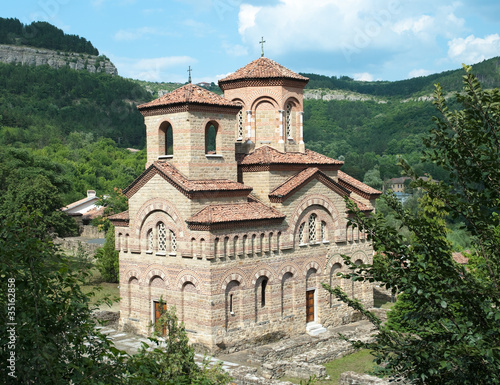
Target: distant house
pixel 398 184
pixel 86 209
pixel 204 84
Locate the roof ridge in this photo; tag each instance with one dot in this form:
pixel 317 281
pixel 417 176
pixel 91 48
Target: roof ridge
pixel 263 68
pixel 189 94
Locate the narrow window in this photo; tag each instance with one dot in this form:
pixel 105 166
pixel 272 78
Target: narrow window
pixel 324 237
pixel 165 140
pixel 231 304
pixel 301 233
pixel 288 121
pixel 169 141
pixel 150 240
pixel 312 228
pixel 216 247
pixel 244 246
pixel 211 139
pixel 240 125
pixel 173 242
pixel 263 293
pixel 162 237
pixel 226 244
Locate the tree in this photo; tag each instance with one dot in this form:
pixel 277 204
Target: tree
pixel 171 362
pixel 31 181
pixel 107 258
pixel 51 332
pixel 50 336
pixel 449 330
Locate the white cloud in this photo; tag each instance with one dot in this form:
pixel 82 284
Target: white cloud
pixel 246 17
pixel 347 27
pixel 473 49
pixel 154 69
pixel 364 77
pixel 418 72
pixel 414 25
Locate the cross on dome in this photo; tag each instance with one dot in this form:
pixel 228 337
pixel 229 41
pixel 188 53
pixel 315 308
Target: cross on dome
pixel 262 41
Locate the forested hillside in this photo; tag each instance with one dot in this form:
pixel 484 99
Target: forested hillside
pixel 85 121
pixel 81 121
pixel 369 135
pixel 43 35
pixel 41 105
pixel 488 73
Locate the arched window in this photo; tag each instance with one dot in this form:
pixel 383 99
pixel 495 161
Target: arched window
pixel 263 292
pixel 301 233
pixel 211 138
pixel 150 239
pixel 312 228
pixel 216 247
pixel 226 246
pixel 239 122
pixel 166 140
pixel 324 232
pixel 173 242
pixel 288 121
pixel 334 282
pixel 244 246
pixel 162 237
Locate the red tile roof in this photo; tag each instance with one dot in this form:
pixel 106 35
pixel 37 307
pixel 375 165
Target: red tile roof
pixel 292 184
pixel 361 206
pixel 269 155
pixel 189 94
pixel 236 212
pixel 262 68
pixel 186 186
pixel 94 213
pixel 120 219
pixel 357 187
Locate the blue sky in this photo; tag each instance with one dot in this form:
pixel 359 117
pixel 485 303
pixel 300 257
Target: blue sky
pixel 365 39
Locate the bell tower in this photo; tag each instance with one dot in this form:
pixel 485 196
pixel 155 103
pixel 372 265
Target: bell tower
pixel 271 97
pixel 192 129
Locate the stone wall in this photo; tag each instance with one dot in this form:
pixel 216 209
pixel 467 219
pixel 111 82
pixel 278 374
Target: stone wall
pixel 11 54
pixel 351 378
pixel 92 232
pixel 70 245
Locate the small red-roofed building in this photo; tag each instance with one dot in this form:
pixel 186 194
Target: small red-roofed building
pixel 234 221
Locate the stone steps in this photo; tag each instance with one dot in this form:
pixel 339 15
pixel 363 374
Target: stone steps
pixel 315 329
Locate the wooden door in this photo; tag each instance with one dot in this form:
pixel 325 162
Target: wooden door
pixel 158 313
pixel 309 305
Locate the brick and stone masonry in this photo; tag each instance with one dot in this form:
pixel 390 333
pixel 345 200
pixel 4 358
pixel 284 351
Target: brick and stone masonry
pixel 233 221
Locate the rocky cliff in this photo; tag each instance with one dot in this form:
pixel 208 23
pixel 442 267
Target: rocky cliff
pixel 12 54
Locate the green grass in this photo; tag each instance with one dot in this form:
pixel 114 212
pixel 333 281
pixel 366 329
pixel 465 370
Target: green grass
pixel 383 304
pixel 110 290
pixel 359 362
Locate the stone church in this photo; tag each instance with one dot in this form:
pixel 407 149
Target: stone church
pixel 234 221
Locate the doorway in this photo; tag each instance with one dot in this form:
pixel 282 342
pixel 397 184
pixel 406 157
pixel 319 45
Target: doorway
pixel 158 311
pixel 310 306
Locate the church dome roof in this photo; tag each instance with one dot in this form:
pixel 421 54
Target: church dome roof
pixel 189 94
pixel 262 68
